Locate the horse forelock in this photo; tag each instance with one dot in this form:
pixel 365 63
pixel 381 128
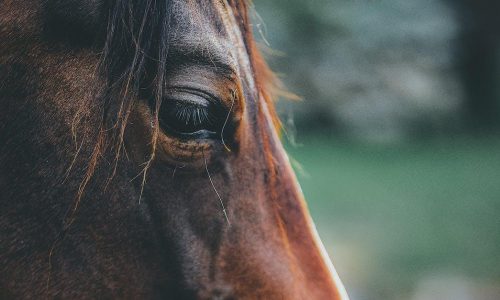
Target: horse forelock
pixel 134 54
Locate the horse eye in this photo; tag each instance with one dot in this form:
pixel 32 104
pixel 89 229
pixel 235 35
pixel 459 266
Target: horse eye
pixel 190 115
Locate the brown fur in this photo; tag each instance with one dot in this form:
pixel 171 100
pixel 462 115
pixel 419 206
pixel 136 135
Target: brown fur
pixel 99 201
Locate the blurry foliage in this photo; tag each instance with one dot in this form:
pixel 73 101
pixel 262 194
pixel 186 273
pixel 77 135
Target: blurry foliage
pixel 392 216
pixel 377 70
pixel 477 58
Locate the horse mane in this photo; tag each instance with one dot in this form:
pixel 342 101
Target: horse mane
pixel 268 84
pixel 138 39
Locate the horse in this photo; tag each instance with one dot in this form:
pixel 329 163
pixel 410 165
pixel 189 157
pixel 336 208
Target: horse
pixel 140 157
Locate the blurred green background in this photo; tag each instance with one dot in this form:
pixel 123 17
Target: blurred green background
pixel 396 142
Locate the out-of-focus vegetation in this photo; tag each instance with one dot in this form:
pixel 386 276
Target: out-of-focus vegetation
pixel 393 216
pixel 398 143
pixel 388 69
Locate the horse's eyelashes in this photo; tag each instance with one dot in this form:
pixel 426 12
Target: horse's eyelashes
pixel 192 115
pixel 189 115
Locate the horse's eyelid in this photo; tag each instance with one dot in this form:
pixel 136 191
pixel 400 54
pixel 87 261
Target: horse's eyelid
pixel 210 97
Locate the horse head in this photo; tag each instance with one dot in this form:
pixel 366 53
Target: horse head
pixel 141 158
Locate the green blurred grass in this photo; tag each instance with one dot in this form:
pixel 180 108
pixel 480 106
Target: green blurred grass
pixel 390 214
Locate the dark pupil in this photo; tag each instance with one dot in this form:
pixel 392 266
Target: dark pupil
pixel 183 117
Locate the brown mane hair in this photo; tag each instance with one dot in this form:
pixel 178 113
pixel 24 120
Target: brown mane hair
pixel 137 39
pixel 268 85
